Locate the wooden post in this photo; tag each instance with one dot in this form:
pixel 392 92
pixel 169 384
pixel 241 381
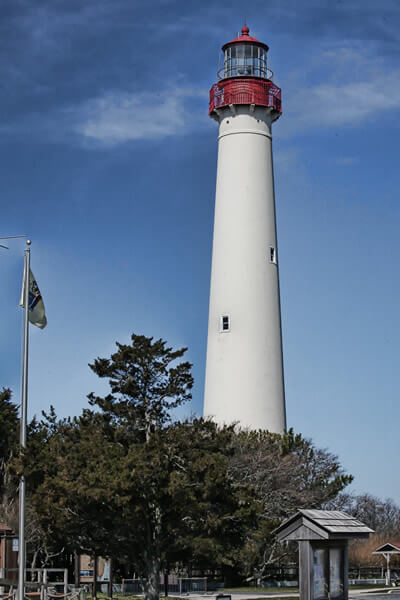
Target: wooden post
pixel 305 569
pixel 4 553
pixel 387 556
pixel 65 583
pixel 3 543
pixel 346 569
pixel 110 590
pixel 94 595
pixel 77 570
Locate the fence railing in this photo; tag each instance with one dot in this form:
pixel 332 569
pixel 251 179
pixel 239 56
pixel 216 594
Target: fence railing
pixel 180 585
pixel 246 90
pixel 39 583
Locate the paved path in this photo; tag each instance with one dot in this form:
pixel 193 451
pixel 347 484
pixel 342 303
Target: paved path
pixel 247 595
pixel 378 594
pixel 254 595
pixel 370 594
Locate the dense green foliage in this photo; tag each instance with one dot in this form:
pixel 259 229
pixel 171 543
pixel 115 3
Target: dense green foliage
pixel 155 503
pixel 122 480
pixel 9 431
pixel 145 384
pixel 125 480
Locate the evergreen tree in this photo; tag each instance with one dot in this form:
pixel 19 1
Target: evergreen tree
pixel 146 385
pixel 124 481
pixel 9 432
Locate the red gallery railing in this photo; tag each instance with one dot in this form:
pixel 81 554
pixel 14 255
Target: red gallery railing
pixel 246 90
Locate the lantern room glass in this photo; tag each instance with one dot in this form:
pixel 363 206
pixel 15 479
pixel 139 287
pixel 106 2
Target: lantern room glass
pixel 244 60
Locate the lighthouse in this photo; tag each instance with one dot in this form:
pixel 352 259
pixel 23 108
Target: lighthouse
pixel 244 370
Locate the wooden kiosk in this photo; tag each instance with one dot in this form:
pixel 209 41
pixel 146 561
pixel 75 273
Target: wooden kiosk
pixel 323 550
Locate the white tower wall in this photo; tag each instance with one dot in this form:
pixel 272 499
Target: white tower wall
pixel 244 372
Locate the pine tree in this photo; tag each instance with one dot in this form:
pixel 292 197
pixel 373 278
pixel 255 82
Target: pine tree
pixel 9 430
pixel 125 481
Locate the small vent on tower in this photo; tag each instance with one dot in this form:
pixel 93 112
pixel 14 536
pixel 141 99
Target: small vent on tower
pixel 272 255
pixel 224 324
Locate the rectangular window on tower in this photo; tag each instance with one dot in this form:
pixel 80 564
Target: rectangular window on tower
pixel 224 324
pixel 272 255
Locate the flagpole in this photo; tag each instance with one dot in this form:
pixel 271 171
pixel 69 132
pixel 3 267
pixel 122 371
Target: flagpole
pixel 24 404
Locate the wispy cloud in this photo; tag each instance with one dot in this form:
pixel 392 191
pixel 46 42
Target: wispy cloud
pixel 350 87
pixel 353 102
pixel 116 117
pixel 120 117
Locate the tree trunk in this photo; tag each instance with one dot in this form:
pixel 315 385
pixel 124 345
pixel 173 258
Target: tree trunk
pixel 151 585
pixel 33 564
pixel 166 583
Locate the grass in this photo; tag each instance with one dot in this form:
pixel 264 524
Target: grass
pixel 284 590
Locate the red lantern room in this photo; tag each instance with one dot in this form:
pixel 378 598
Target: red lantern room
pixel 245 77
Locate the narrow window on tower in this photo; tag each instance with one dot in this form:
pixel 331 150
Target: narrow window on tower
pixel 224 324
pixel 272 255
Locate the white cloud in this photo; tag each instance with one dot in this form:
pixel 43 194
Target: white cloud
pixel 120 117
pixel 353 102
pixel 352 87
pixel 117 117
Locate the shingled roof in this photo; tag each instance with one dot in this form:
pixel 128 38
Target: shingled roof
pixel 321 524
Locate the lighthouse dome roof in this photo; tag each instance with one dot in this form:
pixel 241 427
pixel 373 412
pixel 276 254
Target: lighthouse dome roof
pixel 245 38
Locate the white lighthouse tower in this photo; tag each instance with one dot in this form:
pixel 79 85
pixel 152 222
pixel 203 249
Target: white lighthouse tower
pixel 244 373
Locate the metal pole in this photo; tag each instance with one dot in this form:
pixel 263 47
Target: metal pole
pixel 24 401
pixel 41 579
pixel 45 588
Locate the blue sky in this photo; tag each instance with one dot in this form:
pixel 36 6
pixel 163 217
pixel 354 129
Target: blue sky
pixel 108 161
